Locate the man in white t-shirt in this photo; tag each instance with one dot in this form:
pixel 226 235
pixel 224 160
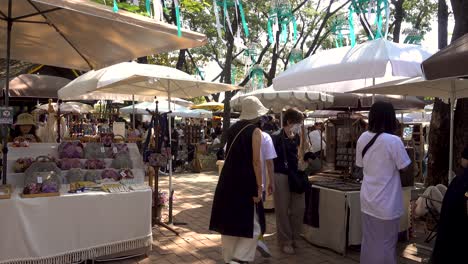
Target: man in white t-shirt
pixel 316 140
pixel 267 154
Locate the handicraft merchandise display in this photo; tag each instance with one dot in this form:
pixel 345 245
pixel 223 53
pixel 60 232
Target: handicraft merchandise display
pixel 76 170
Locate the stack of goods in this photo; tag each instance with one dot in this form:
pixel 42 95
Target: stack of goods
pixel 42 178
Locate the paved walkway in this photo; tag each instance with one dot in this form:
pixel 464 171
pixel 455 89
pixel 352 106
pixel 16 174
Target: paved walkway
pixel 196 244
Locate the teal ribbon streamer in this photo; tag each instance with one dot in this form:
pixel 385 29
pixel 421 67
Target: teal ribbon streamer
pixel 284 32
pixel 271 39
pixel 352 35
pixel 116 7
pixel 294 27
pixel 148 7
pixel 225 9
pixel 379 20
pixel 177 13
pixel 244 23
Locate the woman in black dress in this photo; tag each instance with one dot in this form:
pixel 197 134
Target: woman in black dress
pixel 239 190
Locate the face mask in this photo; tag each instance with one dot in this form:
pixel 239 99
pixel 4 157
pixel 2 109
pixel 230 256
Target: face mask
pixel 296 129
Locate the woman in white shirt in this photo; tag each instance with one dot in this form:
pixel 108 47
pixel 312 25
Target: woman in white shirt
pixel 382 155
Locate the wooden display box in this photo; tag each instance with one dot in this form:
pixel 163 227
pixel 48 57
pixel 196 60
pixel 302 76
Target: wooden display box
pixel 38 195
pixel 7 189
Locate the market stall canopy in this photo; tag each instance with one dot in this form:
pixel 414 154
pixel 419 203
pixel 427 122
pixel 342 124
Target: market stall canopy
pixel 67 107
pixel 177 110
pixel 279 100
pixel 442 88
pixel 364 101
pixel 447 88
pixel 448 62
pixel 35 86
pixel 211 106
pixel 83 35
pixel 349 68
pixel 141 80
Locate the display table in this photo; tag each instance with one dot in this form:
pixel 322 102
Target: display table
pixel 72 227
pixel 339 215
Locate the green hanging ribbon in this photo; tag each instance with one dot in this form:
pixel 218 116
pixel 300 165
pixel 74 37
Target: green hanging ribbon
pixel 379 20
pixel 244 23
pixel 271 39
pixel 352 35
pixel 233 74
pixel 284 32
pixel 116 7
pixel 294 27
pixel 177 13
pixel 148 7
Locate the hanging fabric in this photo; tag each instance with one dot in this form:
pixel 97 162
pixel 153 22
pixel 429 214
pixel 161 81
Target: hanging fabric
pixel 148 7
pixel 295 56
pixel 178 21
pixel 218 23
pixel 281 15
pixel 242 14
pixel 116 7
pixel 256 77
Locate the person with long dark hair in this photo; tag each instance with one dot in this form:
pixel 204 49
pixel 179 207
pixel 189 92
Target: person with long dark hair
pixel 237 205
pixel 381 154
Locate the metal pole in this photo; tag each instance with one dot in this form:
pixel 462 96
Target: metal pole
pixel 373 95
pixel 170 158
pixel 59 102
pixel 7 94
pixel 452 116
pixel 133 111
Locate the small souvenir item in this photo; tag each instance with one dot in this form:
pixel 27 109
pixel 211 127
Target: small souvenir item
pixel 95 150
pixel 126 174
pixel 107 139
pixel 93 176
pixel 95 164
pixel 71 150
pixel 20 142
pixel 32 188
pixel 22 164
pixel 50 187
pixel 111 174
pixel 122 161
pixel 75 175
pixel 118 149
pixel 67 164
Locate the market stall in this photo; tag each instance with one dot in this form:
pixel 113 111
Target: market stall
pixel 88 210
pixel 333 214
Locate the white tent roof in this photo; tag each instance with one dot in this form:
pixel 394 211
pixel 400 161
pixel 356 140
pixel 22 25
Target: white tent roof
pixel 348 68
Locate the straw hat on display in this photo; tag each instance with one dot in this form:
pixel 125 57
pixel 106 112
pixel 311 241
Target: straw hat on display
pixel 252 108
pixel 25 119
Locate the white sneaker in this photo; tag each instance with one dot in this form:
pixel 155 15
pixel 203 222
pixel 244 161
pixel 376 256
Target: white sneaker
pixel 289 250
pixel 263 249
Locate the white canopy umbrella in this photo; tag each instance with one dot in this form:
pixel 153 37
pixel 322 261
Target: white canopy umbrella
pixel 448 88
pixel 67 107
pixel 349 68
pixel 145 80
pixel 176 110
pixel 278 100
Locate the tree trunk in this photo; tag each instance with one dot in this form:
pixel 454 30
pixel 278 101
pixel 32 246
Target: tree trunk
pixel 460 12
pixel 399 14
pixel 442 17
pixel 438 144
pixel 181 60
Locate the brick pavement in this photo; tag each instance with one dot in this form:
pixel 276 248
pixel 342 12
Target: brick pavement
pixel 196 244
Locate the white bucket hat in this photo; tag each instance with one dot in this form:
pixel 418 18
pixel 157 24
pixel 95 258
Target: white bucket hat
pixel 252 108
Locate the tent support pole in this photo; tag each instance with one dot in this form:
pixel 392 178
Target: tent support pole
pixel 7 94
pixel 373 95
pixel 170 157
pixel 133 111
pixel 452 116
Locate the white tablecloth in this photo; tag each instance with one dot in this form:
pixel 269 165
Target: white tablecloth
pixel 333 221
pixel 73 227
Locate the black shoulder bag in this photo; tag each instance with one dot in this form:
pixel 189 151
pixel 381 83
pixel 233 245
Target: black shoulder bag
pixel 358 171
pixel 298 181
